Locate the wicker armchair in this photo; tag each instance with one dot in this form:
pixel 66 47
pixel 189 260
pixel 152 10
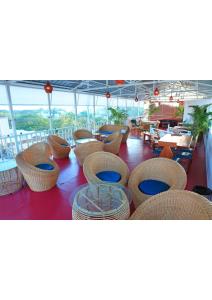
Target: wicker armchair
pixel 82 134
pixel 160 174
pixel 123 129
pixel 38 179
pixel 174 205
pixel 59 147
pixel 104 161
pixel 113 142
pixel 83 150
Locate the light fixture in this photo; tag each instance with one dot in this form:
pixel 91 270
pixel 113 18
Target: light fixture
pixel 120 82
pixel 156 92
pixel 48 88
pixel 108 95
pixel 136 99
pixel 171 98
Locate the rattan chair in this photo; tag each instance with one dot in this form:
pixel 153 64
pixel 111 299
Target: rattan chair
pixel 38 179
pixel 83 150
pixel 113 142
pixel 163 170
pixel 59 147
pixel 104 161
pixel 123 129
pixel 174 205
pixel 82 134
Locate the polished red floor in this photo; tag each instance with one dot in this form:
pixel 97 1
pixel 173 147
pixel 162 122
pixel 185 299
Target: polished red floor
pixel 56 203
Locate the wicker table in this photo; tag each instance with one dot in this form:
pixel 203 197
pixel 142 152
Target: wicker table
pixel 11 179
pixel 101 202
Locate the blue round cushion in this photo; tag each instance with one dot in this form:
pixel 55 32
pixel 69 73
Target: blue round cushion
pixel 110 176
pixel 153 186
pixel 106 132
pixel 65 145
pixel 45 166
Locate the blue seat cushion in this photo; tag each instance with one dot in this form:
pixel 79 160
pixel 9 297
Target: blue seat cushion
pixel 65 145
pixel 106 132
pixel 153 186
pixel 45 166
pixel 110 176
pixel 184 155
pixel 107 142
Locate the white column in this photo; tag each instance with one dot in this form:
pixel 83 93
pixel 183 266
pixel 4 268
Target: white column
pixel 94 112
pixel 50 111
pixel 75 106
pixel 12 115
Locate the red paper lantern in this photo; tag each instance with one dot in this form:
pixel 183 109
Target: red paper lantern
pixel 48 88
pixel 119 82
pixel 108 95
pixel 156 92
pixel 171 98
pixel 136 99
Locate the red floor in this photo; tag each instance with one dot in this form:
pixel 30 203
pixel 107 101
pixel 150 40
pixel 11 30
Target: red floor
pixel 55 204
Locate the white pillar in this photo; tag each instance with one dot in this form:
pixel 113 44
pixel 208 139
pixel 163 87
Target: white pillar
pixel 75 107
pixel 50 111
pixel 12 115
pixel 94 112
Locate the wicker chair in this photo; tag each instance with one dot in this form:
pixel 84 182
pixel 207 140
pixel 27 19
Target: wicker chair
pixel 174 205
pixel 123 129
pixel 113 142
pixel 164 170
pixel 104 161
pixel 38 179
pixel 83 150
pixel 59 147
pixel 82 134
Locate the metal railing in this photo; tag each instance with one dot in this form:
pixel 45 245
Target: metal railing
pixel 8 148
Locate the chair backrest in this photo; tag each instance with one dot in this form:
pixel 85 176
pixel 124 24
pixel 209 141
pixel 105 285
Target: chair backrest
pixel 35 152
pixel 167 152
pixel 82 133
pixel 174 205
pixel 83 150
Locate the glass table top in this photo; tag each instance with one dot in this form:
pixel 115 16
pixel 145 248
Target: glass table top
pixel 7 165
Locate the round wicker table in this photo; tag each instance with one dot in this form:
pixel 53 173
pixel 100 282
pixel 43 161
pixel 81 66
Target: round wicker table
pixel 11 179
pixel 101 202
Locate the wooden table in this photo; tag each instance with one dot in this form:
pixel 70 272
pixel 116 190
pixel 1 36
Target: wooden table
pixel 169 140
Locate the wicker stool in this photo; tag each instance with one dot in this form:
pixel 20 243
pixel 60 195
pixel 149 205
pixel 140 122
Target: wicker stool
pixel 100 202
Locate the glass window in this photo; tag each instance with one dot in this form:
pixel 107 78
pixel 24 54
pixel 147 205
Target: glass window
pixel 5 122
pixel 30 108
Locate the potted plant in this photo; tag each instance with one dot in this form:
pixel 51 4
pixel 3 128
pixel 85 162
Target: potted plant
pixel 201 119
pixel 117 115
pixel 179 112
pixel 153 109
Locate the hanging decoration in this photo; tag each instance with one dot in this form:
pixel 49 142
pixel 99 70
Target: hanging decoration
pixel 48 88
pixel 136 99
pixel 156 92
pixel 108 95
pixel 171 98
pixel 120 82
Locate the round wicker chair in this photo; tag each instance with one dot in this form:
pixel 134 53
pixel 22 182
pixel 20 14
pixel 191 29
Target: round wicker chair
pixel 162 169
pixel 59 147
pixel 123 129
pixel 104 161
pixel 174 205
pixel 113 142
pixel 82 134
pixel 38 180
pixel 83 150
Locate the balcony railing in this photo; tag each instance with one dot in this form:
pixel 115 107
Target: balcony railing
pixel 8 148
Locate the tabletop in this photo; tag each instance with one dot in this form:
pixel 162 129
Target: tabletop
pixel 181 140
pixel 82 141
pixel 7 165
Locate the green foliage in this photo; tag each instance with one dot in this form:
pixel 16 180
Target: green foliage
pixel 179 111
pixel 117 115
pixel 153 109
pixel 201 119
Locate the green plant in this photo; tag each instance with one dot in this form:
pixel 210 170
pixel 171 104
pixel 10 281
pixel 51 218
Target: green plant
pixel 153 109
pixel 117 115
pixel 179 111
pixel 201 119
